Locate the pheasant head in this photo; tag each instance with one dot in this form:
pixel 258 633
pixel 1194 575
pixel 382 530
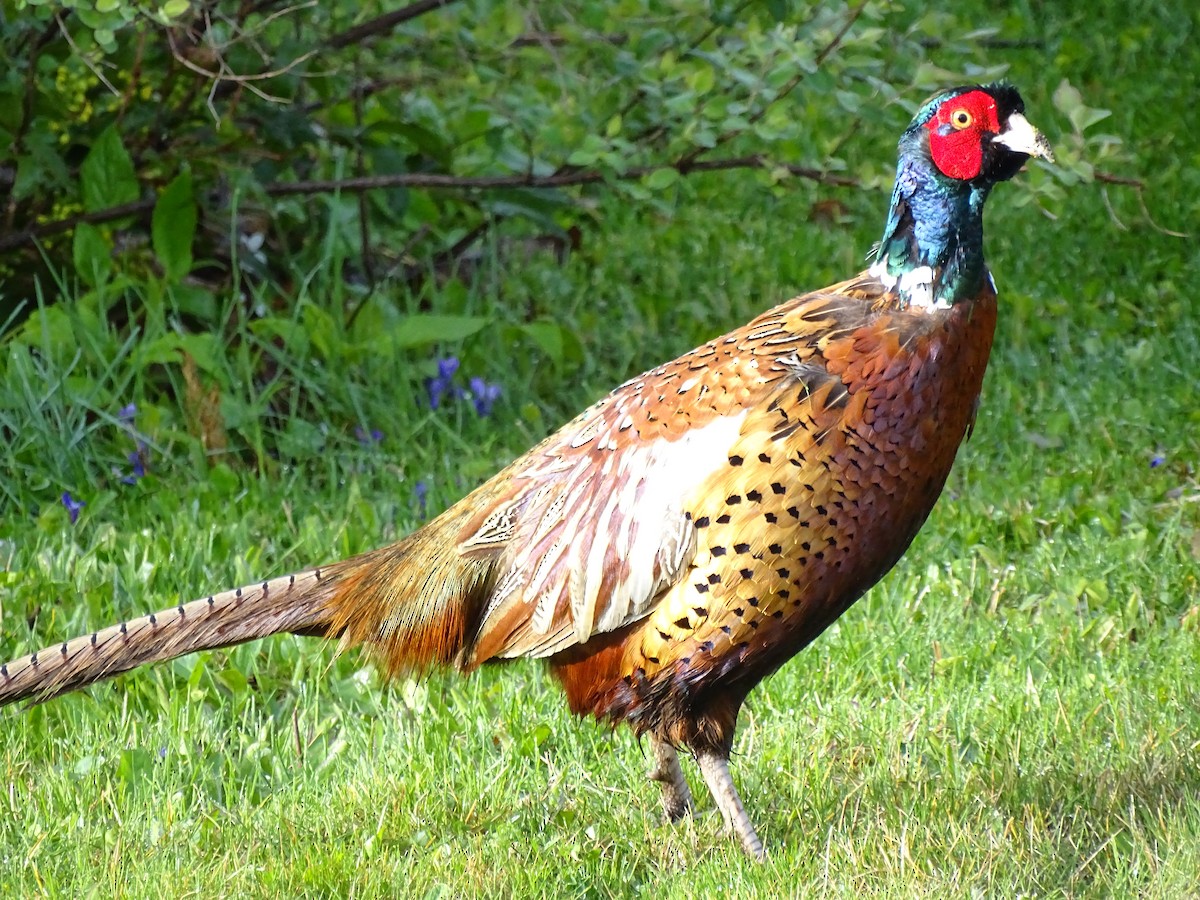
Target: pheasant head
pixel 960 144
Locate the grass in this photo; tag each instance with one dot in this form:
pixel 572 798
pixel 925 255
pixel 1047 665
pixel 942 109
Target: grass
pixel 1014 711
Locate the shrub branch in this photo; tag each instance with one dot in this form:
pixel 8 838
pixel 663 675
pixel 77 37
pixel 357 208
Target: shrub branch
pixel 439 181
pixel 385 23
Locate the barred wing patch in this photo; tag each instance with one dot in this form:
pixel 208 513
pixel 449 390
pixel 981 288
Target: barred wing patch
pixel 595 531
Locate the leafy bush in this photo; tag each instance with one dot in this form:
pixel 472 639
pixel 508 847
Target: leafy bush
pixel 254 209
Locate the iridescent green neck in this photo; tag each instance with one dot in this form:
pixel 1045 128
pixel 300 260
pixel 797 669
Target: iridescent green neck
pixel 932 246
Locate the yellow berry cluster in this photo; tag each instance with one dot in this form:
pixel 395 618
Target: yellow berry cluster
pixel 74 85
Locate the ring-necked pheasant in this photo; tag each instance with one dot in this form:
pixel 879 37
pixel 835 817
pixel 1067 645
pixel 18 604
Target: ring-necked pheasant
pixel 689 533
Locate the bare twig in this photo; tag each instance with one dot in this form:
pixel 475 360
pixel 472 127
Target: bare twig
pixel 550 38
pixel 1140 188
pixel 135 77
pixel 259 27
pixel 1141 195
pixel 66 33
pixel 247 80
pixel 448 256
pixel 31 235
pixel 385 23
pixel 1109 178
pixel 435 180
pixel 991 43
pixel 364 90
pixel 1112 213
pixel 438 181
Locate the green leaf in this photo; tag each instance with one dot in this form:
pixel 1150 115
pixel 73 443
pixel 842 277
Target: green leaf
pixel 207 350
pixel 133 764
pixel 196 301
pixel 289 331
pixel 663 178
pixel 226 483
pixel 173 227
pixel 91 254
pixel 780 10
pixel 537 206
pixel 159 351
pixel 588 152
pixel 557 342
pixel 701 80
pixel 1084 117
pixel 322 330
pixel 420 329
pixel 583 158
pixel 548 336
pixel 106 176
pixel 1069 100
pixel 301 439
pixel 231 679
pixel 47 326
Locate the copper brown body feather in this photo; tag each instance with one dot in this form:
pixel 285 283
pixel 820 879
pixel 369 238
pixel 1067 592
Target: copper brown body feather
pixel 716 513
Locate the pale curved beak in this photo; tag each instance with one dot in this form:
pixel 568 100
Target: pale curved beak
pixel 1022 137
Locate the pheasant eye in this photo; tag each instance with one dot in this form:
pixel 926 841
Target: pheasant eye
pixel 961 119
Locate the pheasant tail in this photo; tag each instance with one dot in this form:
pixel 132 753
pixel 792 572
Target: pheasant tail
pixel 410 604
pixel 293 603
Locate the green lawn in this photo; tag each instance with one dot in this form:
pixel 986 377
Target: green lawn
pixel 1015 710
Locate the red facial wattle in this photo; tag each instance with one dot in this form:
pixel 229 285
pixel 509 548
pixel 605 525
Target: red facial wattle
pixel 956 133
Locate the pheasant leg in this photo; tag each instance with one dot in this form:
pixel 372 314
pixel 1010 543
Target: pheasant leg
pixel 715 769
pixel 677 797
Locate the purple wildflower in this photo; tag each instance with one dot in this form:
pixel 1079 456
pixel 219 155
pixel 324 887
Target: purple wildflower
pixel 1157 460
pixel 484 394
pixel 366 438
pixel 440 384
pixel 137 458
pixel 137 462
pixel 421 492
pixel 73 506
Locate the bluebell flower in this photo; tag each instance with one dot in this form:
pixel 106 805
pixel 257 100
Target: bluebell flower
pixel 366 438
pixel 421 492
pixel 484 394
pixel 440 384
pixel 1157 460
pixel 137 458
pixel 73 506
pixel 137 462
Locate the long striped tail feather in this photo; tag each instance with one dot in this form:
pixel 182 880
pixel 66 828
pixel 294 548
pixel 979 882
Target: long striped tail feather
pixel 293 603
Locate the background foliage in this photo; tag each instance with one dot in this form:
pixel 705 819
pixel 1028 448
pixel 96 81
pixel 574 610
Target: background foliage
pixel 187 174
pixel 281 281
